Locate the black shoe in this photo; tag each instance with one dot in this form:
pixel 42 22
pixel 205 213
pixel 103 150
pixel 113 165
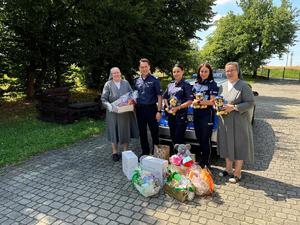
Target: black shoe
pixel 224 173
pixel 120 155
pixel 115 157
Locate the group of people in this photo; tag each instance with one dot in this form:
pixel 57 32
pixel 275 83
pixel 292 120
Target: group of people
pixel 235 138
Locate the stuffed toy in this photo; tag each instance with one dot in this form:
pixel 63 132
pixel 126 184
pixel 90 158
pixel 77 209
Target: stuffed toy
pixel 198 97
pixel 219 103
pixel 172 103
pixel 175 160
pixel 183 150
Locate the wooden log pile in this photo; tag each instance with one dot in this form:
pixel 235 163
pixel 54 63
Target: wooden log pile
pixel 54 106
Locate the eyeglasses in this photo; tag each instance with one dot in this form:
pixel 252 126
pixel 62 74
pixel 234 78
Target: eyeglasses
pixel 229 71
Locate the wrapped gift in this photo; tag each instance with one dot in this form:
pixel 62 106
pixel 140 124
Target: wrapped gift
pixel 125 102
pixel 202 180
pixel 155 166
pixel 124 108
pixel 129 163
pixel 145 182
pixel 177 194
pixel 179 186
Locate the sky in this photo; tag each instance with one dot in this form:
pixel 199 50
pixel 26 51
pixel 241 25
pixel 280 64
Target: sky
pixel 222 7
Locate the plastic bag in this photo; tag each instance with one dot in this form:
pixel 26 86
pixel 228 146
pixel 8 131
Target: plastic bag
pixel 125 102
pixel 126 99
pixel 179 186
pixel 145 182
pixel 202 180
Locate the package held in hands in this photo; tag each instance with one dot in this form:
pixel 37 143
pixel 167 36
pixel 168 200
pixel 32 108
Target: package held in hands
pixel 129 163
pixel 156 166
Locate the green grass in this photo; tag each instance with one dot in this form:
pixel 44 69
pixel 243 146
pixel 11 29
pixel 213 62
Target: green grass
pixel 22 135
pixel 278 73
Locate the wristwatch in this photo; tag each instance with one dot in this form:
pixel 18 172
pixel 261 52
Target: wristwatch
pixel 159 111
pixel 235 108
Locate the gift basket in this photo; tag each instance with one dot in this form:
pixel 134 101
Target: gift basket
pixel 125 103
pixel 179 186
pixel 145 182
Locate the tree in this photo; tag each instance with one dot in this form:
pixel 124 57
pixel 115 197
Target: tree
pixel 159 30
pixel 262 30
pixel 38 40
pixel 44 37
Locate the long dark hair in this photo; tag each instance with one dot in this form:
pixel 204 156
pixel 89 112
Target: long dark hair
pixel 210 76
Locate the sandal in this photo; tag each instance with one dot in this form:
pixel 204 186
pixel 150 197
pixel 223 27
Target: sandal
pixel 234 179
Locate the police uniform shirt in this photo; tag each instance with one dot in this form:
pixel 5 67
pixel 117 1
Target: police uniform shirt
pixel 148 89
pixel 182 90
pixel 207 88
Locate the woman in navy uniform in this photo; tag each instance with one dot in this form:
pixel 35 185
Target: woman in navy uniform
pixel 207 88
pixel 177 98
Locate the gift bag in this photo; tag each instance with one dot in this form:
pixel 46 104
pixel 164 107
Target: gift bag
pixel 162 151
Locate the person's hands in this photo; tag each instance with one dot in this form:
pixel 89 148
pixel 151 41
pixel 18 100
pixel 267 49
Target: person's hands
pixel 114 108
pixel 228 108
pixel 109 107
pixel 158 116
pixel 131 102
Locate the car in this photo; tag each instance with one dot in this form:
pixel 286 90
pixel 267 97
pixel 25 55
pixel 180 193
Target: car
pixel 190 136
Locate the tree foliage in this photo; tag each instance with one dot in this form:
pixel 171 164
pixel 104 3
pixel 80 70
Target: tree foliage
pixel 41 39
pixel 250 38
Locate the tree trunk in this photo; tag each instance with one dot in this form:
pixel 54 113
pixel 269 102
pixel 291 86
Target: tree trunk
pixel 254 73
pixel 58 76
pixel 30 81
pixel 30 86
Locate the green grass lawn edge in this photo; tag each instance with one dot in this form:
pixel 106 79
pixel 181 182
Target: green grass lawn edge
pixel 21 139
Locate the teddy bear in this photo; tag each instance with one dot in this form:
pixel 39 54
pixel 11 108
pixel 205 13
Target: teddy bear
pixel 183 149
pixel 219 104
pixel 173 102
pixel 183 156
pixel 198 97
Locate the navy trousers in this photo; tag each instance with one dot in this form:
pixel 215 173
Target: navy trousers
pixel 177 124
pixel 203 121
pixel 146 117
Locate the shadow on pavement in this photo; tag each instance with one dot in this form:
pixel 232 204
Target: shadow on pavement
pixel 274 189
pixel 273 107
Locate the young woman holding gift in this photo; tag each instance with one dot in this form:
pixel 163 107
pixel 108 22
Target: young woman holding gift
pixel 177 98
pixel 203 111
pixel 120 127
pixel 235 137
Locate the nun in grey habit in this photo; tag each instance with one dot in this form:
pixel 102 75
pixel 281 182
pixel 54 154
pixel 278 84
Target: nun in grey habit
pixel 235 137
pixel 120 127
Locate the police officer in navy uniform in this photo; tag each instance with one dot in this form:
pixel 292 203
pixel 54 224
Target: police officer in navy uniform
pixel 204 112
pixel 177 99
pixel 148 107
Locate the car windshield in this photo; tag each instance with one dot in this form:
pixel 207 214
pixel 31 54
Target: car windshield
pixel 218 74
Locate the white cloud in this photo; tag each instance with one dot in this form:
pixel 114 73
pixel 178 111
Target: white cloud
pixel 216 18
pixel 222 2
pixel 211 29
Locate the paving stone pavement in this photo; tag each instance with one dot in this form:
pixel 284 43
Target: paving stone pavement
pixel 81 185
